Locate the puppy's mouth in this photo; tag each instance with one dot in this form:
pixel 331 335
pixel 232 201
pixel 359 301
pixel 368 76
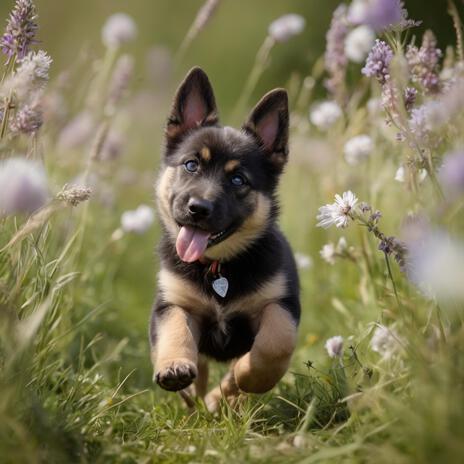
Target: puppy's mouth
pixel 192 242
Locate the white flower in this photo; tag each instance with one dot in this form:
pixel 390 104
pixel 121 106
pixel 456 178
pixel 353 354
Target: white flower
pixel 138 220
pixel 328 253
pixel 23 186
pixel 325 115
pixel 384 341
pixel 303 261
pixel 358 43
pixel 435 265
pixel 342 246
pixel 357 11
pixel 400 174
pixel 119 29
pixel 37 64
pixel 334 346
pixel 337 213
pixel 358 149
pixel 286 27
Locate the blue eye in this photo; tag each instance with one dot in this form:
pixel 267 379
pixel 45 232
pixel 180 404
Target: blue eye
pixel 238 180
pixel 191 165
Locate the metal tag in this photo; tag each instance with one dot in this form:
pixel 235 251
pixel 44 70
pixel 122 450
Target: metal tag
pixel 220 286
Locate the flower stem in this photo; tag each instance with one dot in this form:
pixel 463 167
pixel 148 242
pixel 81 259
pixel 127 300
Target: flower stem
pixel 390 275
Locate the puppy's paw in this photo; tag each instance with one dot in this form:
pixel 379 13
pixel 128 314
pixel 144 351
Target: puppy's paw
pixel 176 375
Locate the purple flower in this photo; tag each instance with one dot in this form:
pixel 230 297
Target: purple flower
pixel 452 173
pixel 378 62
pixel 20 30
pixel 424 63
pixel 377 14
pixel 335 57
pixel 28 120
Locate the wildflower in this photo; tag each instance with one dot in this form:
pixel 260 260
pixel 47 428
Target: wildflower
pixel 73 195
pixel 78 131
pixel 118 30
pixel 20 30
pixel 358 149
pixel 377 14
pixel 452 173
pixel 325 115
pixel 28 120
pixel 286 27
pixel 138 220
pixel 334 346
pixel 338 213
pixel 424 63
pixel 23 186
pixel 419 121
pixel 384 341
pixel 378 62
pixel 358 43
pixel 335 57
pixel 400 174
pixel 303 261
pixel 329 252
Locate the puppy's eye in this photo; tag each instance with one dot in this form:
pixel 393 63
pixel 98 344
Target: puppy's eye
pixel 237 180
pixel 191 165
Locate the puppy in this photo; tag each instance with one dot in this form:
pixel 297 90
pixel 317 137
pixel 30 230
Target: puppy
pixel 228 285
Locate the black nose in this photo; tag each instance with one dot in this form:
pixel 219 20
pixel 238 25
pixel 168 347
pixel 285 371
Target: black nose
pixel 199 208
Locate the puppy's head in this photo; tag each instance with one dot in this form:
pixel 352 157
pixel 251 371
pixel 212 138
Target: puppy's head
pixel 216 191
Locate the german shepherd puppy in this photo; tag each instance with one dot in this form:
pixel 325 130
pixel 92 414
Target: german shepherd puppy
pixel 228 286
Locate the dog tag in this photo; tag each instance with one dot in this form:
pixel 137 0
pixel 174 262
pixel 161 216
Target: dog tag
pixel 220 286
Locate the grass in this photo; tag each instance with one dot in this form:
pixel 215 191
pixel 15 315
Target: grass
pixel 75 297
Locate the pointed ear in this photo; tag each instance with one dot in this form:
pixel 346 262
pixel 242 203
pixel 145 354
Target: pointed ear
pixel 268 122
pixel 194 106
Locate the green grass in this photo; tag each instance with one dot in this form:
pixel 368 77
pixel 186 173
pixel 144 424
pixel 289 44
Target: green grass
pixel 75 373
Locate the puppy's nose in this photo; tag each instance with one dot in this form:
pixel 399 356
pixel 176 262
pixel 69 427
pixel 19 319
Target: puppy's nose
pixel 200 208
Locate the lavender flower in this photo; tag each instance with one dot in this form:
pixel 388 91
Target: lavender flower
pixel 20 30
pixel 378 62
pixel 377 14
pixel 23 186
pixel 286 27
pixel 338 213
pixel 424 63
pixel 335 58
pixel 118 30
pixel 452 173
pixel 28 120
pixel 357 149
pixel 139 220
pixel 334 346
pixel 358 43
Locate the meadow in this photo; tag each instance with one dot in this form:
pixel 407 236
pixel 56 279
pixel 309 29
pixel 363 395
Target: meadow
pixel 372 202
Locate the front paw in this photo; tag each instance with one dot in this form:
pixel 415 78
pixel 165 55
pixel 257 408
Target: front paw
pixel 176 375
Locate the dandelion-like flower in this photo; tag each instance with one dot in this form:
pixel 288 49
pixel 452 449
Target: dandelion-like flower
pixel 334 346
pixel 339 213
pixel 357 149
pixel 118 30
pixel 23 186
pixel 384 341
pixel 325 115
pixel 358 43
pixel 20 30
pixel 378 62
pixel 286 27
pixel 138 220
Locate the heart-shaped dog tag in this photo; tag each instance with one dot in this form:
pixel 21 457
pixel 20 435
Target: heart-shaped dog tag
pixel 220 286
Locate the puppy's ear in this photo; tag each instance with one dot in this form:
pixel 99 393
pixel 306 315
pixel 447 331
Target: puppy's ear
pixel 268 122
pixel 194 106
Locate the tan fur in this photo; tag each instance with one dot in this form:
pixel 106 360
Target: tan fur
pixel 260 369
pixel 226 389
pixel 176 340
pixel 249 231
pixel 231 165
pixel 205 154
pixel 163 193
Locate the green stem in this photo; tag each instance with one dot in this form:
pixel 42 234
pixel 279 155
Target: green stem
pixel 390 275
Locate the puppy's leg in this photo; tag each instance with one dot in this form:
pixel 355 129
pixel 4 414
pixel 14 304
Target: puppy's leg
pixel 227 389
pixel 265 364
pixel 201 382
pixel 174 351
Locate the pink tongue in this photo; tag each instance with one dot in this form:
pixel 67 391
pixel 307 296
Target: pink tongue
pixel 191 243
